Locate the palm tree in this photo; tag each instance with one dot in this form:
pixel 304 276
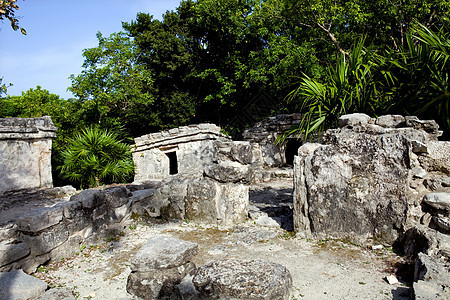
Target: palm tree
pixel 354 84
pixel 423 72
pixel 96 156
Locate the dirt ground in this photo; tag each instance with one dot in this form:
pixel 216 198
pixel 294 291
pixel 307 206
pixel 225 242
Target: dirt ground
pixel 321 269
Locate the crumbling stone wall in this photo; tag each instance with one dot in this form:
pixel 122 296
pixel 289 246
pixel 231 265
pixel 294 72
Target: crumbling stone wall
pixel 25 153
pixel 265 134
pixel 183 150
pixel 367 179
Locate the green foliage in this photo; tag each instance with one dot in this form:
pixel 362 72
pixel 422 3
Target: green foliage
pixel 112 89
pixel 8 11
pixel 96 156
pixel 422 75
pixel 354 84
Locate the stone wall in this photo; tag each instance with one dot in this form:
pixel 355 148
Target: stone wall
pixel 49 233
pixel 25 153
pixel 183 150
pixel 367 180
pixel 266 132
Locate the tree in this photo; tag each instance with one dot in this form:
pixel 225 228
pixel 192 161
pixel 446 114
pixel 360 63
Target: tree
pixel 96 156
pixel 8 11
pixel 113 89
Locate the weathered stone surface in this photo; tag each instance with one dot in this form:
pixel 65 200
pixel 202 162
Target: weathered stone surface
pixel 439 184
pixel 67 249
pixel 240 152
pixel 116 196
pixel 40 219
pixel 201 201
pixel 163 252
pixel 438 200
pixel 265 133
pixel 437 158
pixel 442 222
pixel 89 198
pixel 421 239
pixel 391 121
pixel 25 153
pixel 356 186
pixel 432 278
pixel 159 283
pixel 238 279
pixel 57 294
pixel 232 204
pixel 353 120
pixel 428 126
pixel 11 251
pixel 229 171
pixel 46 240
pixel 16 285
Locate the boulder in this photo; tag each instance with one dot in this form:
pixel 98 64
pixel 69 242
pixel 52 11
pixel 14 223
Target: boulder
pixel 16 285
pixel 159 283
pixel 159 266
pixel 163 252
pixel 354 186
pixel 240 279
pixel 353 120
pixel 57 294
pixel 432 279
pixel 438 200
pixel 391 121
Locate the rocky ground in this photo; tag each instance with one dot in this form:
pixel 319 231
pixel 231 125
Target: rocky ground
pixel 321 269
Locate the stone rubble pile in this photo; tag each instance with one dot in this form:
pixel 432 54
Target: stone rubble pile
pixel 162 269
pixel 159 266
pixel 384 178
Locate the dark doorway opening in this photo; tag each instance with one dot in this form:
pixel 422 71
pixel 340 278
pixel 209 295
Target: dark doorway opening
pixel 291 150
pixel 173 162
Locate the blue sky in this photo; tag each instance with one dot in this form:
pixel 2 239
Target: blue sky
pixel 58 31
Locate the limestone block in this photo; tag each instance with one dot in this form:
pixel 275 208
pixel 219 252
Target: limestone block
pixel 201 200
pixel 239 279
pixel 116 196
pixel 67 249
pixel 40 218
pixel 353 119
pixel 16 285
pixel 163 252
pixel 47 240
pixel 391 121
pixel 89 198
pixel 11 251
pixel 432 279
pixel 232 204
pixel 437 158
pixel 212 202
pixel 356 186
pixel 229 171
pixel 159 283
pixel 428 126
pixel 57 294
pixel 439 184
pixel 438 200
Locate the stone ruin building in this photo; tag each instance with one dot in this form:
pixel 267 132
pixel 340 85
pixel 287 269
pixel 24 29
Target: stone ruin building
pixel 385 179
pixel 266 132
pixel 25 153
pixel 187 149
